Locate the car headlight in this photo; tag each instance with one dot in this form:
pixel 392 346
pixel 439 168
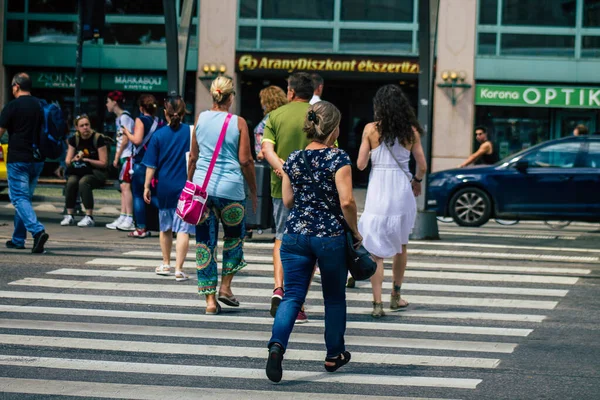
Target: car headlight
pixel 438 182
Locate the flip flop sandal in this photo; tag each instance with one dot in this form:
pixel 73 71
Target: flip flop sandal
pixel 231 301
pixel 164 270
pixel 215 312
pixel 339 361
pixel 139 234
pixel 181 276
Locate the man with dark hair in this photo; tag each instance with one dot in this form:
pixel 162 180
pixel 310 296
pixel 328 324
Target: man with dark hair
pixel 485 154
pixel 23 118
pixel 581 130
pixel 318 84
pixel 283 135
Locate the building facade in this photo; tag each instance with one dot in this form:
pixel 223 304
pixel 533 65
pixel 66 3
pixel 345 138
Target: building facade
pixel 527 67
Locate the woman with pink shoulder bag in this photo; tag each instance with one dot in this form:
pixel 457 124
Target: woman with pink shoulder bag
pixel 226 192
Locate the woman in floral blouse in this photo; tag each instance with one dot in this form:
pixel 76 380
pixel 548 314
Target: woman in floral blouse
pixel 313 233
pixel 271 98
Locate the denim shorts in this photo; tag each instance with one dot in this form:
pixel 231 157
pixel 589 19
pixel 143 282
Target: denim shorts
pixel 169 221
pixel 280 215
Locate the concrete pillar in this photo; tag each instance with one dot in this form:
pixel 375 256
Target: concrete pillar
pixel 453 125
pixel 3 82
pixel 217 41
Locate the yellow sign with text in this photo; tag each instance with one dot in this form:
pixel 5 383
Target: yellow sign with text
pixel 251 62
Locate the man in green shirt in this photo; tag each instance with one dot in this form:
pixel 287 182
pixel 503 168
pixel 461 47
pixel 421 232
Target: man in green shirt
pixel 282 136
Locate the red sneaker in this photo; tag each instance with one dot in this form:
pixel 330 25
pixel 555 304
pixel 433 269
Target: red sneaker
pixel 302 318
pixel 276 300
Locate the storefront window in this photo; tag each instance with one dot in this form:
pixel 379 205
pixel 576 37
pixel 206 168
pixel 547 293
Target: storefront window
pixel 380 41
pixel 52 32
pixel 547 13
pixel 248 8
pixel 247 37
pixel 487 44
pixel 53 6
pixel 590 47
pixel 513 129
pixel 488 12
pixel 16 6
pixel 15 31
pixel 298 9
pixel 538 45
pixel 378 10
pixel 135 34
pixel 591 13
pixel 135 7
pixel 297 39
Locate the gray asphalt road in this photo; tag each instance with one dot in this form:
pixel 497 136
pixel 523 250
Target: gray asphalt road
pixel 496 313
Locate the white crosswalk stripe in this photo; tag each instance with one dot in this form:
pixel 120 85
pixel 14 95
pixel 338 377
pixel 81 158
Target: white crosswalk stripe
pixel 120 307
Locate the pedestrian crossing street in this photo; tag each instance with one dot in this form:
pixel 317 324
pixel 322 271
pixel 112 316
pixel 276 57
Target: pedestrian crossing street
pixel 112 328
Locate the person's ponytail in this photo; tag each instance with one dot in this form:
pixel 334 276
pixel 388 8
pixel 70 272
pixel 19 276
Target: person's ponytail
pixel 175 121
pixel 175 110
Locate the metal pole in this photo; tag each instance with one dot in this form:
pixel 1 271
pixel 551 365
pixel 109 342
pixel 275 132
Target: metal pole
pixel 79 58
pixel 426 223
pixel 185 24
pixel 172 47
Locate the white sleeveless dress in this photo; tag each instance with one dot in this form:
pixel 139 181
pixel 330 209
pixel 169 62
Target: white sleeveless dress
pixel 391 207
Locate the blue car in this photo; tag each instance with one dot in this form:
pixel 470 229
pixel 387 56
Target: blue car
pixel 554 180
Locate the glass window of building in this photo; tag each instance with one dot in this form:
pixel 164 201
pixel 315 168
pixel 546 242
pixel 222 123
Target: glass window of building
pixel 247 37
pixel 52 32
pixel 590 47
pixel 248 8
pixel 15 6
pixel 355 40
pixel 591 13
pixel 297 39
pixel 488 12
pixel 538 45
pixel 15 30
pixel 547 13
pixel 378 10
pixel 135 34
pixel 135 7
pixel 486 44
pixel 298 9
pixel 53 6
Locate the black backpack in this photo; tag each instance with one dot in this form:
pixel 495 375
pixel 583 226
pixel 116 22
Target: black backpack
pixel 54 131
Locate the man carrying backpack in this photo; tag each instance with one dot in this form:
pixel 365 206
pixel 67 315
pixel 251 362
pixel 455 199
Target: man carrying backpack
pixel 23 118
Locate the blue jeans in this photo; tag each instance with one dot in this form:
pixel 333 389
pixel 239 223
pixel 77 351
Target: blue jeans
pixel 137 189
pixel 299 254
pixel 22 180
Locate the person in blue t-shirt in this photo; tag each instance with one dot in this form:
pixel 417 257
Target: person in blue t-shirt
pixel 165 159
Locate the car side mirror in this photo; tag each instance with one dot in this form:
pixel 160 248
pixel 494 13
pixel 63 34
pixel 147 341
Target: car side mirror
pixel 522 166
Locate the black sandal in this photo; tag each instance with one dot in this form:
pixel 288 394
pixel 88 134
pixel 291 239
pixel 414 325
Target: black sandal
pixel 339 361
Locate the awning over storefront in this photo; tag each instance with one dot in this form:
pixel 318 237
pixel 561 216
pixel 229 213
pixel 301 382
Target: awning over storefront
pixel 537 96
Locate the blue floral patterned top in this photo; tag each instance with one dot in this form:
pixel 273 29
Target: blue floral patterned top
pixel 310 215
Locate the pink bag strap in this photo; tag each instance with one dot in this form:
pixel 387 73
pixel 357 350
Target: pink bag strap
pixel 213 161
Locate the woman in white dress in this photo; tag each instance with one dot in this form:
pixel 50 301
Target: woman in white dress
pixel 390 208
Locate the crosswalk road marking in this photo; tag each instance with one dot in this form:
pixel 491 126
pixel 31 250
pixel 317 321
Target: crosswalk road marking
pixel 91 310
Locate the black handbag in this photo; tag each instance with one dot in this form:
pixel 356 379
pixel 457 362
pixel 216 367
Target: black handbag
pixel 359 261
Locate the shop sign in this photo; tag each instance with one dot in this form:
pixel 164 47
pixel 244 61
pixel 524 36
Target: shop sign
pixel 323 63
pixel 151 83
pixel 63 80
pixel 537 96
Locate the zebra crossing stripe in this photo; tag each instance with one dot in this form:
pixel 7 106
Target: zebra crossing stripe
pixel 406 287
pixel 258 336
pixel 173 288
pixel 157 392
pixel 267 321
pixel 236 352
pixel 265 306
pixel 470 276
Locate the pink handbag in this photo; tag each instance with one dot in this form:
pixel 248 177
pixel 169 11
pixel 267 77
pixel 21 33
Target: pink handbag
pixel 192 200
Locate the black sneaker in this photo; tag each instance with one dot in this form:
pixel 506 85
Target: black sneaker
pixel 39 240
pixel 274 370
pixel 11 245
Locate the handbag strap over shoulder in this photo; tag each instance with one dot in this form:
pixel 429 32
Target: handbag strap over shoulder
pixel 320 191
pixel 387 146
pixel 213 161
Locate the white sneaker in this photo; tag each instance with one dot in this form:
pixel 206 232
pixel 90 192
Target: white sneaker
pixel 68 220
pixel 86 222
pixel 126 225
pixel 113 225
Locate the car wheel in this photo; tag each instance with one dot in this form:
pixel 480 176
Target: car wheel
pixel 470 207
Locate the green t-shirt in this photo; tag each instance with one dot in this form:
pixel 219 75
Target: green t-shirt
pixel 284 129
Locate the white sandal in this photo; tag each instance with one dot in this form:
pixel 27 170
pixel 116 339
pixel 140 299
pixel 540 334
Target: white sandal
pixel 164 270
pixel 181 276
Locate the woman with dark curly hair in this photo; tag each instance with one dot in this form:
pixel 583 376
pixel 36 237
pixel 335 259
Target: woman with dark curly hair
pixel 390 208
